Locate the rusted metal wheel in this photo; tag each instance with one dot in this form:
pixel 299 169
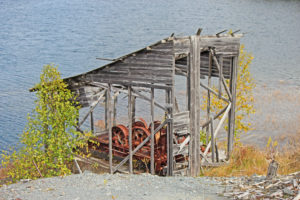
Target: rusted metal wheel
pixel 140 123
pixel 120 136
pixel 139 134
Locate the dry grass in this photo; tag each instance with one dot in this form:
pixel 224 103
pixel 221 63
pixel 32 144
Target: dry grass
pixel 249 160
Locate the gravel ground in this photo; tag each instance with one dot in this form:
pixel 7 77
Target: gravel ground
pixel 118 186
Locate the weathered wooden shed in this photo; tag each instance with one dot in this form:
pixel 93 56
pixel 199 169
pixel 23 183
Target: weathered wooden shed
pixel 196 57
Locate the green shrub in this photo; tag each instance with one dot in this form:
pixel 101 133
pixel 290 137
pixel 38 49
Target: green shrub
pixel 49 141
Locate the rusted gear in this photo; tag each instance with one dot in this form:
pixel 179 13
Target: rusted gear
pixel 139 134
pixel 140 123
pixel 120 136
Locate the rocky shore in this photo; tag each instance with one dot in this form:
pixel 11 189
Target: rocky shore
pixel 145 187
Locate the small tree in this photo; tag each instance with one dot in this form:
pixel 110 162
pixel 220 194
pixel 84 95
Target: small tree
pixel 49 140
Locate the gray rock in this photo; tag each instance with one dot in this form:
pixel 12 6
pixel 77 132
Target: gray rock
pixel 288 191
pixel 278 193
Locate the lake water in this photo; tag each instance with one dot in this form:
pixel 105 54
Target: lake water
pixel 73 33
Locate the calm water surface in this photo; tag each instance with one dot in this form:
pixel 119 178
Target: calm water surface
pixel 73 33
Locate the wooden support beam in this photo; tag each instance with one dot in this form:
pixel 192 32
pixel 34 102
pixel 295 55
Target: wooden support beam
pixel 152 132
pixel 231 121
pixel 108 99
pixel 106 110
pixel 217 129
pixel 115 98
pixel 208 93
pixel 170 135
pixel 130 129
pixel 133 100
pixel 92 123
pixel 194 74
pixel 148 99
pixel 212 140
pixel 222 77
pixel 214 117
pixel 91 109
pixel 188 84
pixel 214 92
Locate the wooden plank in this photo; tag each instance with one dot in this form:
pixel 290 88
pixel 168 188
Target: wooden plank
pixel 217 129
pixel 92 122
pixel 214 92
pixel 179 115
pixel 148 99
pixel 231 121
pixel 109 127
pixel 212 140
pixel 152 132
pixel 149 62
pixel 214 117
pixel 223 80
pixel 129 78
pixel 220 75
pixel 181 45
pixel 106 109
pixel 115 98
pixel 133 100
pixel 224 45
pixel 136 70
pixel 130 129
pixel 169 133
pixel 91 109
pixel 194 68
pixel 127 83
pixel 208 93
pixel 163 60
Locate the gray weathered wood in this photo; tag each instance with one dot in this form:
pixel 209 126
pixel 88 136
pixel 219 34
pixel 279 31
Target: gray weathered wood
pixel 231 116
pixel 109 127
pixel 194 68
pixel 208 93
pixel 92 123
pixel 217 129
pixel 223 80
pixel 130 129
pixel 212 140
pixel 220 75
pixel 214 117
pixel 152 132
pixel 214 92
pixel 91 109
pixel 115 98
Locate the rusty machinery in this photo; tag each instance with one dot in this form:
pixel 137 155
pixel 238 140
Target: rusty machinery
pixel 140 131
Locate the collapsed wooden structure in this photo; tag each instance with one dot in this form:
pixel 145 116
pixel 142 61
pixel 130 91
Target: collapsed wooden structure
pixel 194 57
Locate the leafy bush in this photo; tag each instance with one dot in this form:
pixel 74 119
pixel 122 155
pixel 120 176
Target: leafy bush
pixel 49 141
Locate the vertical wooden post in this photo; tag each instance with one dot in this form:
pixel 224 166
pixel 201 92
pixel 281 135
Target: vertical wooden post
pixel 208 94
pixel 212 140
pixel 108 108
pixel 220 75
pixel 115 110
pixel 169 135
pixel 133 99
pixel 130 128
pixel 92 122
pixel 188 102
pixel 152 132
pixel 194 154
pixel 231 114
